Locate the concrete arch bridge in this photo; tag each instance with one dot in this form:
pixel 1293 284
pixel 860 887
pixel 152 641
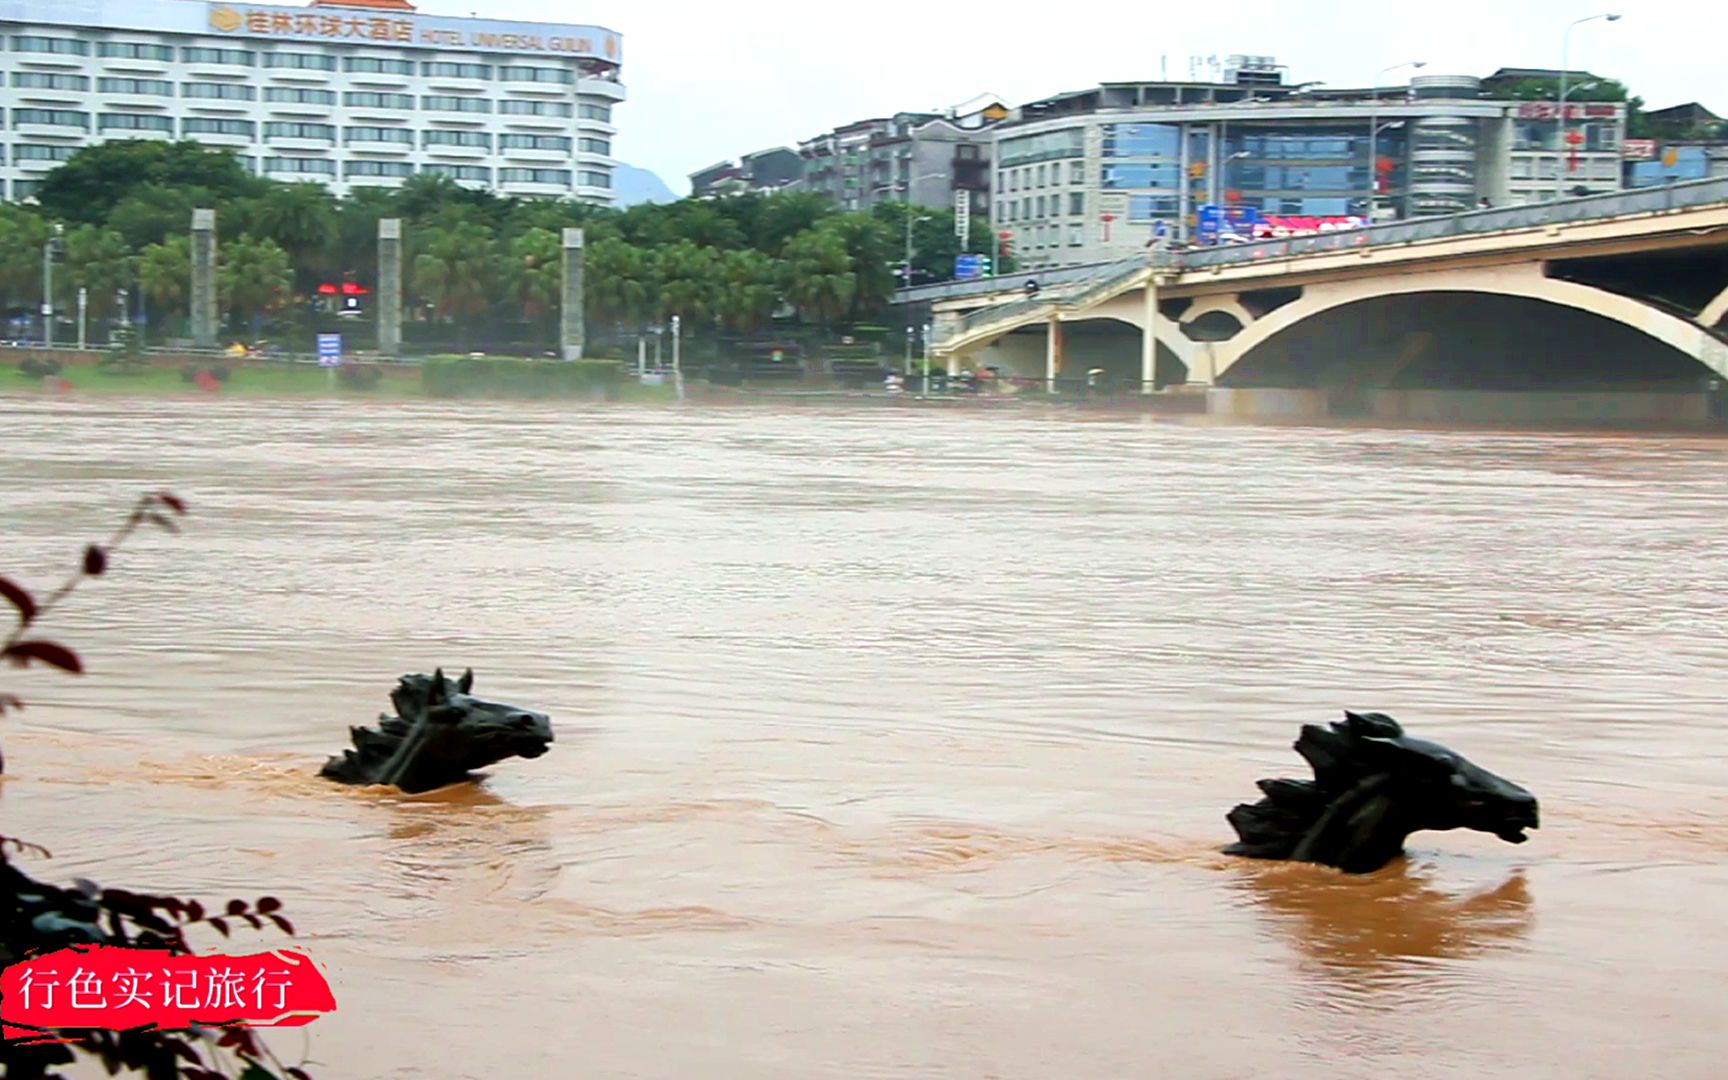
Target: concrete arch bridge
pixel 1603 308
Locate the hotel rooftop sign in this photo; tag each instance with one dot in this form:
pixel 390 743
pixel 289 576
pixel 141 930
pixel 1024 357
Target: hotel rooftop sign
pixel 326 24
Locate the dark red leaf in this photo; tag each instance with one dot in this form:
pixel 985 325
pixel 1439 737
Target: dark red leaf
pixel 221 926
pixel 20 598
pixel 158 519
pixel 283 924
pixel 235 907
pixel 267 904
pixel 194 910
pixel 95 561
pixel 49 653
pixel 174 502
pixel 252 921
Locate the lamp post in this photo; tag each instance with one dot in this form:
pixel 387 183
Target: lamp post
pixel 1374 130
pixel 1565 59
pixel 49 250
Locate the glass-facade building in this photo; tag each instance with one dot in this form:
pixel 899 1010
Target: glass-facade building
pixel 1095 183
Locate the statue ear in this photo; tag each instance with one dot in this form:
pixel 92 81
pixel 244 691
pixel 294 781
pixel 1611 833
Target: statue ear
pixel 1372 725
pixel 466 682
pixel 439 692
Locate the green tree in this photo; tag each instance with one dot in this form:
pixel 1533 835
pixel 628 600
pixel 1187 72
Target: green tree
pixel 690 283
pixel 91 183
pixel 535 268
pixel 165 276
pixel 622 283
pixel 253 280
pixel 455 272
pixel 98 261
pixel 300 219
pixel 750 290
pixel 818 275
pixel 872 253
pixel 22 236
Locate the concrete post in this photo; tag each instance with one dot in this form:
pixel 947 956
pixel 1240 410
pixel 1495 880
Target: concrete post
pixel 389 286
pixel 571 324
pixel 1149 338
pixel 204 279
pixel 1052 353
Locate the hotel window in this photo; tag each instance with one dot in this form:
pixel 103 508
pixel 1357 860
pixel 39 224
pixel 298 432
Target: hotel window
pixel 538 74
pixel 377 168
pixel 374 65
pixel 222 91
pixel 321 166
pixel 602 113
pixel 151 87
pixel 241 57
pixel 52 118
pixel 450 103
pixel 37 44
pixel 34 81
pixel 1076 234
pixel 592 178
pixel 1076 203
pixel 23 189
pixel 304 61
pixel 210 125
pixel 1141 140
pixel 365 99
pixel 303 97
pixel 534 142
pixel 401 136
pixel 456 71
pixel 535 176
pixel 535 108
pixel 135 122
pixel 127 50
pixel 1076 172
pixel 282 129
pixel 597 146
pixel 28 152
pixel 456 138
pixel 460 172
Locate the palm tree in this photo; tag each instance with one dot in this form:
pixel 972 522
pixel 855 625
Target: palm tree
pixel 165 275
pixel 818 275
pixel 301 220
pixel 99 262
pixel 454 272
pixel 22 235
pixel 751 290
pixel 254 278
pixel 536 273
pixel 622 283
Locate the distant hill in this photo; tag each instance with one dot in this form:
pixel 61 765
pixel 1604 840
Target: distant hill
pixel 632 185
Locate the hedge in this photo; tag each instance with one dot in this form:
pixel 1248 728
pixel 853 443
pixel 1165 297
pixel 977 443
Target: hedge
pixel 517 377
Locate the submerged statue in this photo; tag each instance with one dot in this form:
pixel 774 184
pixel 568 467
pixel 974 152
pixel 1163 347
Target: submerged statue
pixel 1373 786
pixel 439 735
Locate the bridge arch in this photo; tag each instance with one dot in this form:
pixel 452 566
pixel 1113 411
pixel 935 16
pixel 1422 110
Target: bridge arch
pixel 1524 282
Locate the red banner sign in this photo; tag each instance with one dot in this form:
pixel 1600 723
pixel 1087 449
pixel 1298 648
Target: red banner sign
pixel 114 988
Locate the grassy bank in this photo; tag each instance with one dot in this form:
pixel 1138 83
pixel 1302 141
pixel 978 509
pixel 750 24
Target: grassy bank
pixel 280 380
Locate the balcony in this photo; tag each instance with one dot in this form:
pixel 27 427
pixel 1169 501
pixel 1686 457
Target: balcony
pixel 53 131
pixel 393 149
pixel 537 155
pixel 300 143
pixel 465 153
pixel 521 187
pixel 605 88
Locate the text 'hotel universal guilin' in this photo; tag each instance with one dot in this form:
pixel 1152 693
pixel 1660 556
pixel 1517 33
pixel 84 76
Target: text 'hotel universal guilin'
pixel 346 93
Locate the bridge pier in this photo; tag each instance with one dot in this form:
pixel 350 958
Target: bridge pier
pixel 1053 353
pixel 1149 338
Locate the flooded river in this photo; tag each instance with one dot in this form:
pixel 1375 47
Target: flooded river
pixel 896 743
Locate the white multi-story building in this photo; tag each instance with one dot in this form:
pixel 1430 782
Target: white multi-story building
pixel 342 92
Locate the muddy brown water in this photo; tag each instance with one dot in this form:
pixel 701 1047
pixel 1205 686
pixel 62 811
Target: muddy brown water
pixel 895 743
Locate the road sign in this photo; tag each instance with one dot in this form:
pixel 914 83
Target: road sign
pixel 329 350
pixel 962 214
pixel 969 267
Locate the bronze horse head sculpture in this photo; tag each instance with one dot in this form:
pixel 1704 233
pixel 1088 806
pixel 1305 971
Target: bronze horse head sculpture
pixel 440 735
pixel 1373 786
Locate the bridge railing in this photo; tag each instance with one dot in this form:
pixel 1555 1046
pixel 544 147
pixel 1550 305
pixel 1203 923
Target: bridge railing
pixel 1100 279
pixel 1473 223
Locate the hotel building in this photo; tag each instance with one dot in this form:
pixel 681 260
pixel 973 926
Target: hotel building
pixel 345 93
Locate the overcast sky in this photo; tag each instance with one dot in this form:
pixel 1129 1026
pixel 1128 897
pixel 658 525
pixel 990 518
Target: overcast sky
pixel 709 81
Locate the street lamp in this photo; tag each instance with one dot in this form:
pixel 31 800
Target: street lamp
pixel 1374 129
pixel 1566 59
pixel 49 251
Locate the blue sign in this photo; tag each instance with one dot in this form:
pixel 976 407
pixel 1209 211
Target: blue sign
pixel 329 350
pixel 970 267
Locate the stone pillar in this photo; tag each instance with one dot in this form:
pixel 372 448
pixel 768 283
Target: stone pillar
pixel 1052 353
pixel 389 287
pixel 571 324
pixel 1149 338
pixel 204 279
